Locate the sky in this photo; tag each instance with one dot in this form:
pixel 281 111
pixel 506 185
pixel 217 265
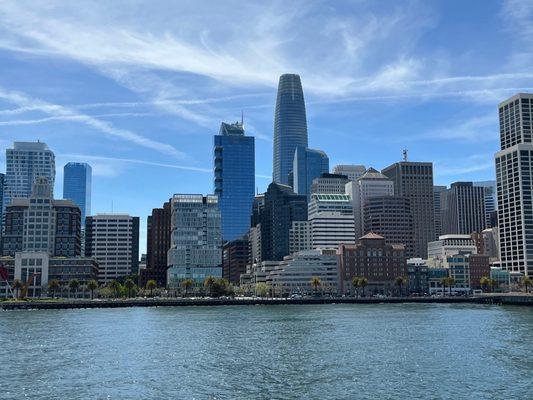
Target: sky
pixel 138 88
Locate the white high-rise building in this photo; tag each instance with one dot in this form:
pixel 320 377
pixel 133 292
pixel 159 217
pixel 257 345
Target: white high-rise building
pixel 371 184
pixel 352 171
pixel 196 239
pixel 331 220
pixel 113 241
pixel 514 171
pixel 447 246
pixel 329 183
pixel 25 162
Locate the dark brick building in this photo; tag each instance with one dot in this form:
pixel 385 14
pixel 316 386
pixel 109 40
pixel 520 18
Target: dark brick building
pixel 235 256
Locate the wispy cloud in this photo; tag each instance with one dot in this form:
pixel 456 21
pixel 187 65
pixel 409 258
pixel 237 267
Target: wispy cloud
pixel 60 112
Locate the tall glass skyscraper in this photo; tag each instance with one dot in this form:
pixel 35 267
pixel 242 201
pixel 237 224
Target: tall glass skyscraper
pixel 308 164
pixel 77 179
pixel 290 126
pixel 234 178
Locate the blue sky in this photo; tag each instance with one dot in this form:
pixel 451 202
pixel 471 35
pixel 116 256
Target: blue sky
pixel 138 89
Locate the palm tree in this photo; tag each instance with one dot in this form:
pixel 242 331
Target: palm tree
pixel 92 285
pixel 114 286
pixel 151 285
pixel 362 282
pixel 315 283
pixel 208 284
pixel 527 282
pixel 73 285
pixel 444 282
pixel 17 285
pixel 129 284
pixel 186 284
pixel 484 282
pixel 399 281
pixel 355 284
pixel 53 285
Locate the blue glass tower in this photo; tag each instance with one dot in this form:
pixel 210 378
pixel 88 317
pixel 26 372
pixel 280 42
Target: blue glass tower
pixel 234 178
pixel 308 164
pixel 77 178
pixel 290 126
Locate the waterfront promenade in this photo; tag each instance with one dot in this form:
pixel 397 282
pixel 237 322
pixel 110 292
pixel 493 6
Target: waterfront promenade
pixel 503 299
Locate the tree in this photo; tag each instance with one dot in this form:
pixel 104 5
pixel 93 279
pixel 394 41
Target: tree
pixel 151 285
pixel 315 283
pixel 527 282
pixel 450 282
pixel 220 287
pixel 262 289
pixel 362 282
pixel 484 282
pixel 115 287
pixel 186 284
pixel 73 285
pixel 17 285
pixel 129 284
pixel 493 284
pixel 53 285
pixel 444 282
pixel 92 285
pixel 399 281
pixel 208 284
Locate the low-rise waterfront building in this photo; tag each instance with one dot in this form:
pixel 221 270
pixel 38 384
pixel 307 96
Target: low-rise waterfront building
pixel 417 275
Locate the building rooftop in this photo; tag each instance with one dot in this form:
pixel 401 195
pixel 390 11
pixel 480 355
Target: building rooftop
pixel 372 235
pixel 371 173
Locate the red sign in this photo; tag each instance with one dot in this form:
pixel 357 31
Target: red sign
pixel 3 273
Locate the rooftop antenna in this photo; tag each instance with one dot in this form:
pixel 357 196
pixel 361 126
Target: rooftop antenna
pixel 405 154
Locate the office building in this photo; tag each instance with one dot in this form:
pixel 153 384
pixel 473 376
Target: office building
pixel 2 179
pixel 417 276
pixel 447 246
pixel 24 163
pixel 113 241
pixel 514 164
pixel 300 237
pixel 371 184
pixel 235 258
pixel 331 220
pixel 329 184
pixel 491 200
pixel 463 208
pixel 234 170
pixel 42 224
pixel 158 230
pixel 479 267
pixel 414 180
pixel 77 181
pixel 294 274
pixel 491 245
pixel 308 164
pixel 351 171
pixel 281 208
pixel 437 190
pixel 390 217
pixel 196 239
pixel 374 260
pixel 290 126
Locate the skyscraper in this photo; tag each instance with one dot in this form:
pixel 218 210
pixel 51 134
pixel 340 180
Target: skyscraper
pixel 491 200
pixel 2 179
pixel 463 208
pixel 308 164
pixel 414 180
pixel 24 163
pixel 196 239
pixel 290 126
pixel 329 183
pixel 77 186
pixel 234 178
pixel 352 171
pixel 113 240
pixel 514 170
pixel 437 190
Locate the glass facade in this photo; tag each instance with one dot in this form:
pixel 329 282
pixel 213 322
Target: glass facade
pixel 308 164
pixel 290 126
pixel 77 186
pixel 234 171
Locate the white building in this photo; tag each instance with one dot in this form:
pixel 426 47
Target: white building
pixel 329 183
pixel 331 220
pixel 25 162
pixel 196 239
pixel 371 184
pixel 113 241
pixel 514 168
pixel 491 243
pixel 352 171
pixel 295 273
pixel 447 246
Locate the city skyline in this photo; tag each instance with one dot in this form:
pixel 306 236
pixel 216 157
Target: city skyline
pixel 153 119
